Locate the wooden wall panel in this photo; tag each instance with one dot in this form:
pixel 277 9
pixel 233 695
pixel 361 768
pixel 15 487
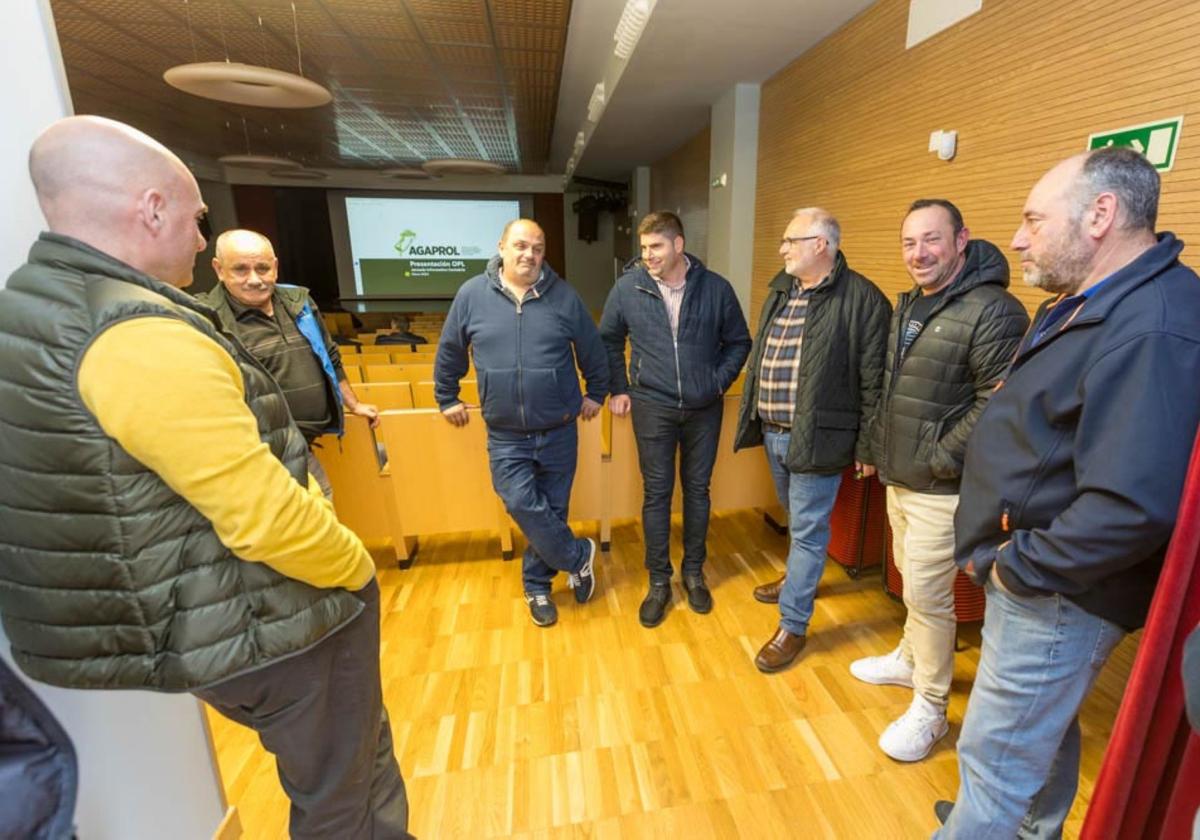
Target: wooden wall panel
pixel 846 126
pixel 679 182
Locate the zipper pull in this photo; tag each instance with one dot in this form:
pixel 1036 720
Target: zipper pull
pixel 1005 516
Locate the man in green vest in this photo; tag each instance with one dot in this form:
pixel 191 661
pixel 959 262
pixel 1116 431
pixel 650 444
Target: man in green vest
pixel 158 528
pixel 281 327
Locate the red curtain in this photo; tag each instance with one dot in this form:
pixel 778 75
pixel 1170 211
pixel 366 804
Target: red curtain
pixel 1149 783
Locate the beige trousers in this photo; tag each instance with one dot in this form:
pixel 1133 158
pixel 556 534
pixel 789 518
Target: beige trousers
pixel 923 544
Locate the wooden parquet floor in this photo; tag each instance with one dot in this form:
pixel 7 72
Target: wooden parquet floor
pixel 600 728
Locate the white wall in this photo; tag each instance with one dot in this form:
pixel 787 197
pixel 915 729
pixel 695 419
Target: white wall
pixel 144 765
pixel 734 154
pixel 590 266
pixel 34 96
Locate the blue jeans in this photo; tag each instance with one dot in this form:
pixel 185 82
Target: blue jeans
pixel 1018 754
pixel 808 499
pixel 532 474
pixel 660 432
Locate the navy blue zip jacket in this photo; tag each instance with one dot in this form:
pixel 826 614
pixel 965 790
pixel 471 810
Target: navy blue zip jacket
pixel 1074 471
pixel 690 370
pixel 525 353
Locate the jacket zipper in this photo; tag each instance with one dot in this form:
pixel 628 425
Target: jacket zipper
pixel 674 341
pixel 887 398
pixel 520 372
pixel 1005 515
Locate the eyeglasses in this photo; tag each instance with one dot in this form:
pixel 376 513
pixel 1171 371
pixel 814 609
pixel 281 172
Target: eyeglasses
pixel 789 241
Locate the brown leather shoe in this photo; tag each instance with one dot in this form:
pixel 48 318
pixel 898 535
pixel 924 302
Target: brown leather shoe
pixel 768 593
pixel 780 652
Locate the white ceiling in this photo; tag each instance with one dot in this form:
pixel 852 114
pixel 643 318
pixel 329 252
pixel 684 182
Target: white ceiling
pixel 691 52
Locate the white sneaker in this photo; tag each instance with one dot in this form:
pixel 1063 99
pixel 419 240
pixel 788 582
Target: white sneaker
pixel 889 669
pixel 911 736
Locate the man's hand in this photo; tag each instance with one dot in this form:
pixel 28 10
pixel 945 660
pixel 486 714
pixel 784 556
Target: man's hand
pixel 620 404
pixel 369 411
pixel 994 575
pixel 863 470
pixel 590 409
pixel 995 578
pixel 456 415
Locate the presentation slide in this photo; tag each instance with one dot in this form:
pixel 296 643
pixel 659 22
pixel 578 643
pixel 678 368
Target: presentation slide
pixel 422 247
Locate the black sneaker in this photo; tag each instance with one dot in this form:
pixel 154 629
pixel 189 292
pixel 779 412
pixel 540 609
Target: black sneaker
pixel 699 598
pixel 541 609
pixel 584 581
pixel 654 607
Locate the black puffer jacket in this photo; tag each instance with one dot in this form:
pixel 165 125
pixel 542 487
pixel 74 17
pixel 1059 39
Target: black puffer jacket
pixel 841 372
pixel 933 397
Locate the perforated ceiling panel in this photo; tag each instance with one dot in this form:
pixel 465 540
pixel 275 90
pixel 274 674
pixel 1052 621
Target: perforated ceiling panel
pixel 411 79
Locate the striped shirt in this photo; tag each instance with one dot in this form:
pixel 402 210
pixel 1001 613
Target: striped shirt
pixel 276 342
pixel 779 368
pixel 673 297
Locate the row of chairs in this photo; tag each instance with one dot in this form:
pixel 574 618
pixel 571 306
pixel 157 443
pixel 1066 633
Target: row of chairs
pixel 384 373
pixel 400 395
pixel 430 477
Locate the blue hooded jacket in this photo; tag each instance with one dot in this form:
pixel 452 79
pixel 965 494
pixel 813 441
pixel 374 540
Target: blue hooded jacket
pixel 525 352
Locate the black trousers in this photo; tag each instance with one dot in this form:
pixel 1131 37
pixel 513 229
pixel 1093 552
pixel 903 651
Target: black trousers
pixel 321 714
pixel 661 431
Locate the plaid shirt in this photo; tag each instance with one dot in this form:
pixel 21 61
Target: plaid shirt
pixel 779 368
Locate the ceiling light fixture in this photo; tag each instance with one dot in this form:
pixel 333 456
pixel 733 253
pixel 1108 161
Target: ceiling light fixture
pixel 267 162
pixel 247 84
pixel 405 173
pixel 462 166
pixel 596 103
pixel 633 20
pixel 299 174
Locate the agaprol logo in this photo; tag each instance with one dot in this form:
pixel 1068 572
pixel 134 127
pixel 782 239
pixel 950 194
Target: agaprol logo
pixel 405 241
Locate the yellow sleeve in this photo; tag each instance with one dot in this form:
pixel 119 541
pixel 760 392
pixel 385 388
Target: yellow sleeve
pixel 173 399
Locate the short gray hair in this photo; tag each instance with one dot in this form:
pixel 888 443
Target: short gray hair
pixel 1126 174
pixel 823 224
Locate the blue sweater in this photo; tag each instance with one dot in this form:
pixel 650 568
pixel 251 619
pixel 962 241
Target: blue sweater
pixel 525 353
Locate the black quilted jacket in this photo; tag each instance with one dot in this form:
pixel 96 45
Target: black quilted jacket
pixel 933 397
pixel 841 372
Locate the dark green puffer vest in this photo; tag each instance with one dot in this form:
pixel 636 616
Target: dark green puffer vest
pixel 108 578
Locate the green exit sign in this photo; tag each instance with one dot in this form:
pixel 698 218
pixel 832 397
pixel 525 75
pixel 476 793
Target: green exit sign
pixel 1156 140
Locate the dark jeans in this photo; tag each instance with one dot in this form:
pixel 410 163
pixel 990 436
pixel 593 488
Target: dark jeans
pixel 321 714
pixel 532 473
pixel 660 432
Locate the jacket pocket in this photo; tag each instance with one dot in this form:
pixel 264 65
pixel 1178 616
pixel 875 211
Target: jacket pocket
pixel 699 385
pixel 552 397
pixel 835 434
pixel 498 398
pixel 943 465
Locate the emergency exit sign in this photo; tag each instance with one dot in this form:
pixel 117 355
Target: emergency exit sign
pixel 1156 140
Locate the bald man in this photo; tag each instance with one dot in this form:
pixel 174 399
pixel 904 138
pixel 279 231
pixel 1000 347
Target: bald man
pixel 1071 483
pixel 158 528
pixel 282 328
pixel 529 332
